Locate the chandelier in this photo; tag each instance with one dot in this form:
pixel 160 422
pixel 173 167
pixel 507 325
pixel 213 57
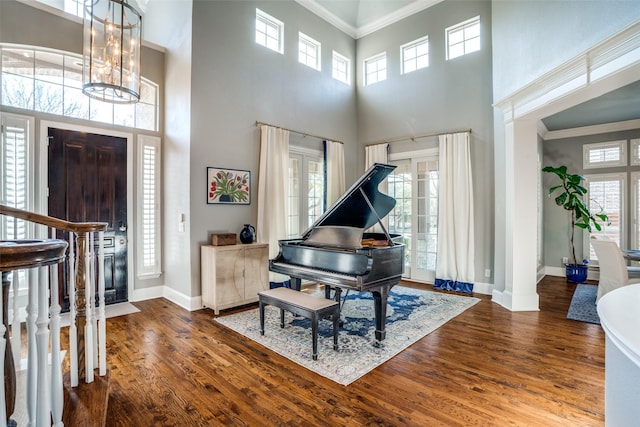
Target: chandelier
pixel 111 43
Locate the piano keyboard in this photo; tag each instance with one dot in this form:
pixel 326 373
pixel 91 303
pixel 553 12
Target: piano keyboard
pixel 316 271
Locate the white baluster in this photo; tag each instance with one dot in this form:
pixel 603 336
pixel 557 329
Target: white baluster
pixel 88 336
pixel 32 355
pixel 57 396
pixel 16 342
pixel 3 345
pixel 43 402
pixel 73 328
pixel 102 341
pixel 94 312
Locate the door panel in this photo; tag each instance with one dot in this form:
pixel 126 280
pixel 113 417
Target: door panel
pixel 414 185
pixel 87 183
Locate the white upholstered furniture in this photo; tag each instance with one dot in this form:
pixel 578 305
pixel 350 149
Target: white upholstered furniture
pixel 613 267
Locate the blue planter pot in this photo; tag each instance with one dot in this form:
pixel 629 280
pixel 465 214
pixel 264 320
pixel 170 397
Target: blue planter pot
pixel 576 273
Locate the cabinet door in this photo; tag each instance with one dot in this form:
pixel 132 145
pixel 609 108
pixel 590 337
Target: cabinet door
pixel 256 271
pixel 229 276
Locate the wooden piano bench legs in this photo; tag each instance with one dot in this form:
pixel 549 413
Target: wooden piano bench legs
pixel 309 306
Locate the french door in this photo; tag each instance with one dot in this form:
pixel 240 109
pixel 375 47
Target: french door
pixel 414 185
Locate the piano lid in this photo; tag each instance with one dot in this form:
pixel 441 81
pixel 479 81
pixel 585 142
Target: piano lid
pixel 352 208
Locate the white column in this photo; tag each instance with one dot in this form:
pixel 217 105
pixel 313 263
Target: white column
pixel 521 231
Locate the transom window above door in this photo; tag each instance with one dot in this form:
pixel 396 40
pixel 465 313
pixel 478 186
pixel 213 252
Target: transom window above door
pixel 50 81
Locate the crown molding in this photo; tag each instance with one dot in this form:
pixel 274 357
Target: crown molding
pixel 356 33
pixel 398 15
pixel 612 63
pixel 332 19
pixel 592 130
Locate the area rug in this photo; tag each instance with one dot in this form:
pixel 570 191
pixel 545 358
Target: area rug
pixel 411 314
pixel 583 304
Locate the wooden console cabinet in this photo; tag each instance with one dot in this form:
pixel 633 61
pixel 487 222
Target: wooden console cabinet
pixel 233 275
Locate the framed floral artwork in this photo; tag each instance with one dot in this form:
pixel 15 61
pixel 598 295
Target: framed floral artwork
pixel 228 186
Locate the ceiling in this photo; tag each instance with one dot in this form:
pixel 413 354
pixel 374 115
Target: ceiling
pixel 361 17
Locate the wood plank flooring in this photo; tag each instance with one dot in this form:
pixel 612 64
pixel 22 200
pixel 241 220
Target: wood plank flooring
pixel 488 366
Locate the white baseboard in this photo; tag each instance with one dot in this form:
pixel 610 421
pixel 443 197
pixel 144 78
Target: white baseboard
pixel 483 288
pixel 184 301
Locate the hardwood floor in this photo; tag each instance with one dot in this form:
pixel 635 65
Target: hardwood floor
pixel 488 366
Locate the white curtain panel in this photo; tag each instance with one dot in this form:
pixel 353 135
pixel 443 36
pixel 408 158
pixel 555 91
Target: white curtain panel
pixel 273 189
pixel 334 153
pixel 455 261
pixel 378 153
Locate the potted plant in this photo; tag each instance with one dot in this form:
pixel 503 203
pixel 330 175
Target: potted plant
pixel 570 195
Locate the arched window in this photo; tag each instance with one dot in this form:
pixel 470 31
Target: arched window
pixel 50 81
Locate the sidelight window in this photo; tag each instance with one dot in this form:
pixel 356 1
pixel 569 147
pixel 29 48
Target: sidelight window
pixel 148 206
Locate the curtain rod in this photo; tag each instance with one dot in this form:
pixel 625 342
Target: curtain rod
pixel 413 138
pixel 298 132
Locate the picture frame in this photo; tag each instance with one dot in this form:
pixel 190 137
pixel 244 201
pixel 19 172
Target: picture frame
pixel 228 186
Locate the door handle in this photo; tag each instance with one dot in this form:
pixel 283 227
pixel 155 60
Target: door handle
pixel 122 227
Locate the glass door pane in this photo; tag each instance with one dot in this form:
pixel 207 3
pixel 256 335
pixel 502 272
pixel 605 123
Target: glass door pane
pixel 425 171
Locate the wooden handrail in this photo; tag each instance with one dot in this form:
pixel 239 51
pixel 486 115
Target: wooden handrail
pixel 60 224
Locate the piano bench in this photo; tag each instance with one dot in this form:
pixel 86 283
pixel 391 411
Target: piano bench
pixel 309 306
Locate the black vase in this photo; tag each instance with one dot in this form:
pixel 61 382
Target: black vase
pixel 247 234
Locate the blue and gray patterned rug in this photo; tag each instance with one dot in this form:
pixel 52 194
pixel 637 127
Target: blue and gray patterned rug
pixel 583 304
pixel 411 314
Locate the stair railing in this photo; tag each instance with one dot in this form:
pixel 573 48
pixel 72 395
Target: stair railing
pixel 87 330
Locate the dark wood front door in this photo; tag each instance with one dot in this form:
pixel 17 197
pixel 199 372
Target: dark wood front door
pixel 88 183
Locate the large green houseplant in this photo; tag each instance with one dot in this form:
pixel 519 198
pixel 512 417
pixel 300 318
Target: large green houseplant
pixel 570 194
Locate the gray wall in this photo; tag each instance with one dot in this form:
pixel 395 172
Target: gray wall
pixel 568 152
pixel 446 96
pixel 236 82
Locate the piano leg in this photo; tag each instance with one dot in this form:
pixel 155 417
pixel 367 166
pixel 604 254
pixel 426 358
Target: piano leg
pixel 380 297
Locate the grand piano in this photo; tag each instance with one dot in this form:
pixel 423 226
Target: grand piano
pixel 336 252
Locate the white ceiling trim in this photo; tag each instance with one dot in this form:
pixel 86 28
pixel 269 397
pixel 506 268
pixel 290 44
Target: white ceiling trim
pixel 611 64
pixel 332 19
pixel 367 29
pixel 398 15
pixel 591 130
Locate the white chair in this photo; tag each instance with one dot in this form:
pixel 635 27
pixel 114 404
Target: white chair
pixel 613 267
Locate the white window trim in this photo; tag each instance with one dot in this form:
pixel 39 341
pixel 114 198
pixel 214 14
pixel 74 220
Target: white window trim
pixel 412 44
pixel 153 271
pixel 29 127
pixel 635 203
pixel 268 19
pixel 586 148
pixel 373 58
pixel 347 62
pixel 622 177
pixel 452 28
pixel 302 37
pixel 635 156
